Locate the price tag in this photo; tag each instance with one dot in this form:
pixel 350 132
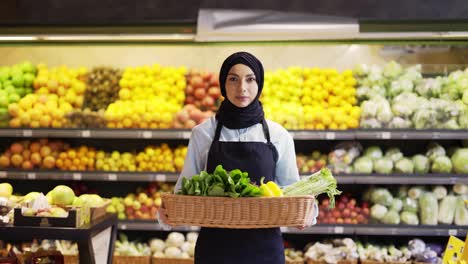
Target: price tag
pixel 186 135
pixel 123 227
pixel 453 180
pixel 147 134
pixel 435 135
pixel 31 176
pixel 3 174
pixel 85 133
pixel 112 177
pixel 452 232
pixel 193 228
pixel 76 176
pixel 161 177
pixel 386 135
pixel 338 230
pixel 27 133
pixel 283 229
pixel 330 135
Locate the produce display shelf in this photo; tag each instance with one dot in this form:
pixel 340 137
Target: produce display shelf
pixel 185 134
pixel 172 177
pixel 88 176
pixel 400 230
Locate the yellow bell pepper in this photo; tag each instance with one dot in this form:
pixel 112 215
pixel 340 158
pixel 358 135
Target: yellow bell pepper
pixel 270 189
pixel 275 188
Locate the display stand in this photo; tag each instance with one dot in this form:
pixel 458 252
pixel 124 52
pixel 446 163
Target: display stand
pixel 95 240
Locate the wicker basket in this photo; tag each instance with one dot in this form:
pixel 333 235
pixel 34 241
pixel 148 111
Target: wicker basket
pixel 131 260
pixel 294 262
pixel 172 261
pixel 343 261
pixel 258 212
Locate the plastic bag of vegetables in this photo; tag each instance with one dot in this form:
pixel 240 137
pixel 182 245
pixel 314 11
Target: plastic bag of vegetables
pixel 447 210
pixel 429 209
pixel 382 196
pixel 461 212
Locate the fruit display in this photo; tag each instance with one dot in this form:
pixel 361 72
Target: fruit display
pixel 311 98
pixel 115 161
pixel 190 116
pixel 149 97
pixel 346 211
pixel 311 163
pixel 86 119
pixel 6 190
pixel 179 157
pixel 117 207
pixel 203 90
pixel 156 158
pixel 176 245
pixel 293 255
pixel 103 88
pixel 82 158
pixel 32 154
pixel 145 202
pixel 419 205
pixel 396 97
pixel 15 82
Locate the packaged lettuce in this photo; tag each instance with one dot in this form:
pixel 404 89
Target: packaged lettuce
pixel 410 205
pixel 428 208
pixel 447 209
pixel 409 218
pixel 461 212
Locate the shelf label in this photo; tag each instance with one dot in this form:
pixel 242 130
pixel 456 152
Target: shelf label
pixel 283 229
pixel 186 135
pixel 85 133
pixel 193 228
pixel 27 133
pixel 3 174
pixel 338 230
pixel 161 177
pixel 330 135
pixel 452 232
pixel 112 177
pixel 147 134
pixel 123 227
pixel 31 176
pixel 435 135
pixel 76 176
pixel 386 135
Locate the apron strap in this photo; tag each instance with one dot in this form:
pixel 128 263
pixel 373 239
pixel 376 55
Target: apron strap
pixel 219 126
pixel 266 131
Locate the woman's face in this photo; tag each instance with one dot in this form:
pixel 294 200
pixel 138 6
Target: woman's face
pixel 241 85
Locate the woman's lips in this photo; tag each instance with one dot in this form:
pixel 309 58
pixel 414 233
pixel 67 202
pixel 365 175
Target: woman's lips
pixel 242 98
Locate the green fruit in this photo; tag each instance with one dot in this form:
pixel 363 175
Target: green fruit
pixel 14 98
pixel 28 79
pixel 6 83
pixel 4 75
pixel 3 101
pixel 21 91
pixel 17 80
pixel 9 89
pixel 1 85
pixel 16 70
pixel 28 67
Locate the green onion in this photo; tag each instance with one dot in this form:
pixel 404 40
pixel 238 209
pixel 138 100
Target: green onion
pixel 315 184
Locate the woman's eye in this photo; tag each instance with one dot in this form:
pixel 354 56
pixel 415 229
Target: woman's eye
pixel 251 79
pixel 232 79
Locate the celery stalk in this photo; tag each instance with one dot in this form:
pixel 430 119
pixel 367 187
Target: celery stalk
pixel 315 184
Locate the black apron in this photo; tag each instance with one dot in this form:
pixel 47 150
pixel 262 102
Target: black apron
pixel 241 246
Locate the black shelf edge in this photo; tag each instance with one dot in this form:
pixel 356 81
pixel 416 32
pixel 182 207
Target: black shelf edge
pixel 389 230
pixel 89 176
pixel 185 134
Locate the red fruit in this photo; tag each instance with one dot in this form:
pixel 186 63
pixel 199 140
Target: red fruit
pixel 215 92
pixel 339 221
pixel 341 206
pixel 352 202
pixel 208 101
pixel 347 221
pixel 189 90
pixel 344 199
pixel 336 214
pixel 360 218
pixel 189 100
pixel 35 147
pixel 326 202
pixel 16 148
pixel 354 222
pixel 357 210
pixel 199 93
pixel 365 205
pixel 346 212
pixel 197 82
pixel 214 80
pixel 365 211
pixel 207 76
pixel 353 215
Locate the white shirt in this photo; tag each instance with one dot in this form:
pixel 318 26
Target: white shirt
pixel 202 137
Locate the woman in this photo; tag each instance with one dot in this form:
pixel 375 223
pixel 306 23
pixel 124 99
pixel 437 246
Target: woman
pixel 239 137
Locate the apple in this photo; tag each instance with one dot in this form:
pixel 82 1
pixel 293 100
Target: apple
pixel 58 212
pixel 29 212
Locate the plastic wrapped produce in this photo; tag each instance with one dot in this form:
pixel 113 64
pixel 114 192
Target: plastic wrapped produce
pixel 461 212
pixel 397 205
pixel 400 123
pixel 363 165
pixel 404 165
pixel 373 152
pixel 409 218
pixel 441 164
pixel 394 154
pixel 342 157
pixel 435 150
pixel 439 191
pixel 410 205
pixel 382 196
pixel 383 165
pixel 429 209
pixel 378 211
pixel 460 161
pixel 391 218
pixel 421 164
pixel 447 209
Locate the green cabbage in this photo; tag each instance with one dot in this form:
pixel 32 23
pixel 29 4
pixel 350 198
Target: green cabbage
pixel 435 150
pixel 404 165
pixel 441 164
pixel 421 164
pixel 461 212
pixel 363 165
pixel 378 211
pixel 397 205
pixel 460 161
pixel 373 152
pixel 383 165
pixel 410 205
pixel 394 154
pixel 391 218
pixel 382 196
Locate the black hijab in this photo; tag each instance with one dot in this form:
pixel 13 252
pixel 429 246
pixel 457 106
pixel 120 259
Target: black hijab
pixel 228 114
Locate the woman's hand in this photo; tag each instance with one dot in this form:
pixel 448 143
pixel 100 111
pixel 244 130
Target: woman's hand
pixel 162 218
pixel 312 220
